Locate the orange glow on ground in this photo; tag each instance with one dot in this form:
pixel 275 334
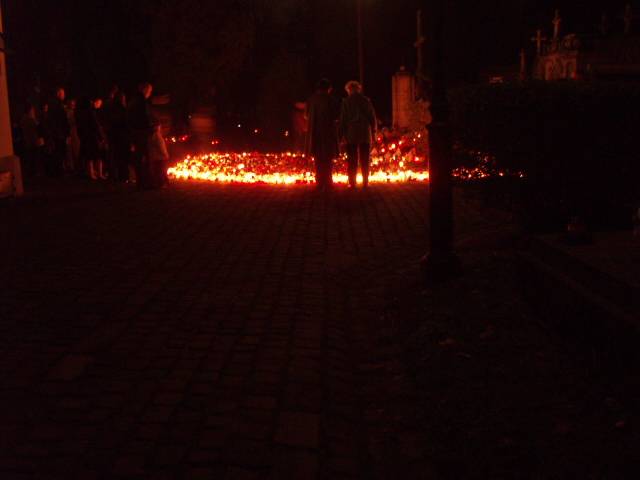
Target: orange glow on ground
pixel 290 168
pixel 394 159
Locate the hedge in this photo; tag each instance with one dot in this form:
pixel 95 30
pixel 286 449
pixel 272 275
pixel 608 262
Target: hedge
pixel 576 143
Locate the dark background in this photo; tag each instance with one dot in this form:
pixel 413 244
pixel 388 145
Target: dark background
pixel 274 50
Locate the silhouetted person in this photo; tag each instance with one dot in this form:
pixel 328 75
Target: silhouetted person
pixel 60 132
pixel 141 127
pixel 105 116
pixel 92 138
pixel 322 140
pixel 32 142
pixel 36 99
pixel 73 152
pixel 101 162
pixel 299 126
pixel 158 159
pixel 119 139
pixel 45 132
pixel 83 121
pixel 357 128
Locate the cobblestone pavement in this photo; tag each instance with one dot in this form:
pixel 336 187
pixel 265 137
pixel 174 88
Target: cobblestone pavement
pixel 205 332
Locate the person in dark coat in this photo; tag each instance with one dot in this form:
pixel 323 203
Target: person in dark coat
pixel 92 138
pixel 119 139
pixel 105 116
pixel 45 131
pixel 322 139
pixel 36 99
pixel 73 151
pixel 141 128
pixel 357 128
pixel 102 160
pixel 158 159
pixel 60 132
pixel 32 142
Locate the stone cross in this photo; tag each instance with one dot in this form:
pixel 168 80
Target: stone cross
pixel 604 25
pixel 523 65
pixel 628 19
pixel 420 41
pixel 539 39
pixel 557 21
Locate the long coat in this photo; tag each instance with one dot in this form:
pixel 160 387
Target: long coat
pixel 322 138
pixel 58 121
pixel 357 119
pixel 91 133
pixel 141 122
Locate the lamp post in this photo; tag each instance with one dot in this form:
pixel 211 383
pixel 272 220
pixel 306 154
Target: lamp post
pixel 440 262
pixel 360 42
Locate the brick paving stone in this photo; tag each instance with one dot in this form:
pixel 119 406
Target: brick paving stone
pixel 157 415
pixel 246 428
pixel 70 367
pixel 236 473
pixel 196 332
pixel 170 455
pixel 130 466
pixel 149 432
pixel 261 402
pixel 212 439
pixel 250 453
pixel 292 465
pixel 343 465
pixel 205 473
pixel 298 429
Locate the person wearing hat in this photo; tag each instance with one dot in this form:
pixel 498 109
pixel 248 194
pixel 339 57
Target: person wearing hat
pixel 357 127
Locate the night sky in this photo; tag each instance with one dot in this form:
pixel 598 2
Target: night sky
pixel 276 49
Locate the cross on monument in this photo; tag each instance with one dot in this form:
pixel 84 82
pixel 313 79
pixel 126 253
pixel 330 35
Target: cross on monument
pixel 628 19
pixel 523 65
pixel 557 21
pixel 604 25
pixel 539 39
pixel 420 41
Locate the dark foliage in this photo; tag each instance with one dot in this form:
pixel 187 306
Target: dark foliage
pixel 575 142
pixel 252 58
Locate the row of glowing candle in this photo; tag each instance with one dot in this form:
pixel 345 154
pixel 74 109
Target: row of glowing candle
pixel 288 168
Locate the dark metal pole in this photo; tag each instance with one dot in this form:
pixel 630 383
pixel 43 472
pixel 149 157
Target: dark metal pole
pixel 441 262
pixel 360 42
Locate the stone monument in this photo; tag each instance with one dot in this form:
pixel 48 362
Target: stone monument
pixel 9 163
pixel 410 107
pixel 604 54
pixel 403 87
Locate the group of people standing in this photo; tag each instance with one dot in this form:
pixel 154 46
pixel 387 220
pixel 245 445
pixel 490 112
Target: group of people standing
pixel 116 138
pixel 353 125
